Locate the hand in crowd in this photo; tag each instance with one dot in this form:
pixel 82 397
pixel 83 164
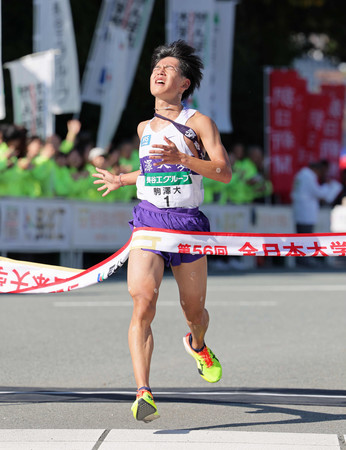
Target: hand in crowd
pixel 73 128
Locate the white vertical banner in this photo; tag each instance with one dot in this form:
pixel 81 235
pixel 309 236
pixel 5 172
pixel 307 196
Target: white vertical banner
pixel 32 83
pixel 112 97
pixel 194 23
pixel 222 64
pixel 208 26
pixel 132 16
pixel 53 29
pixel 2 95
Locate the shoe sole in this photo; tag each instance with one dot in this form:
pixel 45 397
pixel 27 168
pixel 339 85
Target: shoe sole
pixel 146 412
pixel 188 348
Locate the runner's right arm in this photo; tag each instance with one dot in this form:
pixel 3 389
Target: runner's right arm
pixel 111 182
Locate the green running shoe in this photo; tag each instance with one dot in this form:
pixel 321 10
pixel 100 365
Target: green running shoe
pixel 144 407
pixel 208 365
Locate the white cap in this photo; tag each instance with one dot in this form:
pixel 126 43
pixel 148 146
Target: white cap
pixel 95 152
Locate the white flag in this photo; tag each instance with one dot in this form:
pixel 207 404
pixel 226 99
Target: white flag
pixel 208 26
pixel 2 95
pixel 32 83
pixel 133 17
pixel 115 77
pixel 220 108
pixel 53 29
pixel 194 23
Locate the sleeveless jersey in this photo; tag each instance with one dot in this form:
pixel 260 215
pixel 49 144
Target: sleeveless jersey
pixel 169 185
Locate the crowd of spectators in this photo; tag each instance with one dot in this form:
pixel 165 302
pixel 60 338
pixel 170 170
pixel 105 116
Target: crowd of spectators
pixel 249 183
pixel 62 168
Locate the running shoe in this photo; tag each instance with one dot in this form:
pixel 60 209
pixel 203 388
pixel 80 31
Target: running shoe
pixel 208 365
pixel 144 407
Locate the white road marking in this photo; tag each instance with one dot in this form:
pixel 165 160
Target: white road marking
pixel 209 438
pixel 173 393
pixel 279 288
pixel 116 304
pixel 163 439
pixel 211 291
pixel 269 394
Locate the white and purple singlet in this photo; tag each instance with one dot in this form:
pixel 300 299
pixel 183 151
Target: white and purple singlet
pixel 169 185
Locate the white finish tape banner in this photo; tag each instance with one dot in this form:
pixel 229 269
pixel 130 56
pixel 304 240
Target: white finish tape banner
pixel 20 277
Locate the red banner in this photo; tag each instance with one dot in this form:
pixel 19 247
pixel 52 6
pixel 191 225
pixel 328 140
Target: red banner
pixel 316 111
pixel 303 127
pixel 287 99
pixel 331 140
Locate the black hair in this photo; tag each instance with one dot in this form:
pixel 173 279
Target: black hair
pixel 321 164
pixel 13 132
pixel 324 163
pixel 190 64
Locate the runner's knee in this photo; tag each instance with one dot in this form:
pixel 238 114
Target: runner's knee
pixel 194 311
pixel 144 306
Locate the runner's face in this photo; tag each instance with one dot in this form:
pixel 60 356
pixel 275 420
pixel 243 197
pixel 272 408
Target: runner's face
pixel 166 80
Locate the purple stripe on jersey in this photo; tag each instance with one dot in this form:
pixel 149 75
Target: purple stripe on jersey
pixel 147 166
pixel 187 132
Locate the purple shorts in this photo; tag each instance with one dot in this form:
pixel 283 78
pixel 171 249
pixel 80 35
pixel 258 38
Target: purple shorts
pixel 146 214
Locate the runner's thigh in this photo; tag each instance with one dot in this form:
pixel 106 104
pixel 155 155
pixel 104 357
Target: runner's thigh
pixel 144 273
pixel 192 281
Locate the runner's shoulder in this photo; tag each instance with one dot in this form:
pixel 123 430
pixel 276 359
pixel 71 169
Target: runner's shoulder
pixel 141 126
pixel 200 122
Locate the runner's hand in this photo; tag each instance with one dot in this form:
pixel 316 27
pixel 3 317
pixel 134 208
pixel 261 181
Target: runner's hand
pixel 167 154
pixel 108 181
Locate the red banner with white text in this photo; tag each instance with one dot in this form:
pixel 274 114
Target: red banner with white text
pixel 287 98
pixel 316 112
pixel 331 140
pixel 302 127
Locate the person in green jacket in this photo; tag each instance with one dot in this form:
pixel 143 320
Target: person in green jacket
pixel 129 162
pixel 13 180
pixel 96 157
pixel 62 176
pixel 44 165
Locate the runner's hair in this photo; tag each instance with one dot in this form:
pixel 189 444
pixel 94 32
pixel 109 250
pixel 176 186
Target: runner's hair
pixel 190 63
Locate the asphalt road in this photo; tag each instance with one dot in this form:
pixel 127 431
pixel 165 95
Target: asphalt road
pixel 279 336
